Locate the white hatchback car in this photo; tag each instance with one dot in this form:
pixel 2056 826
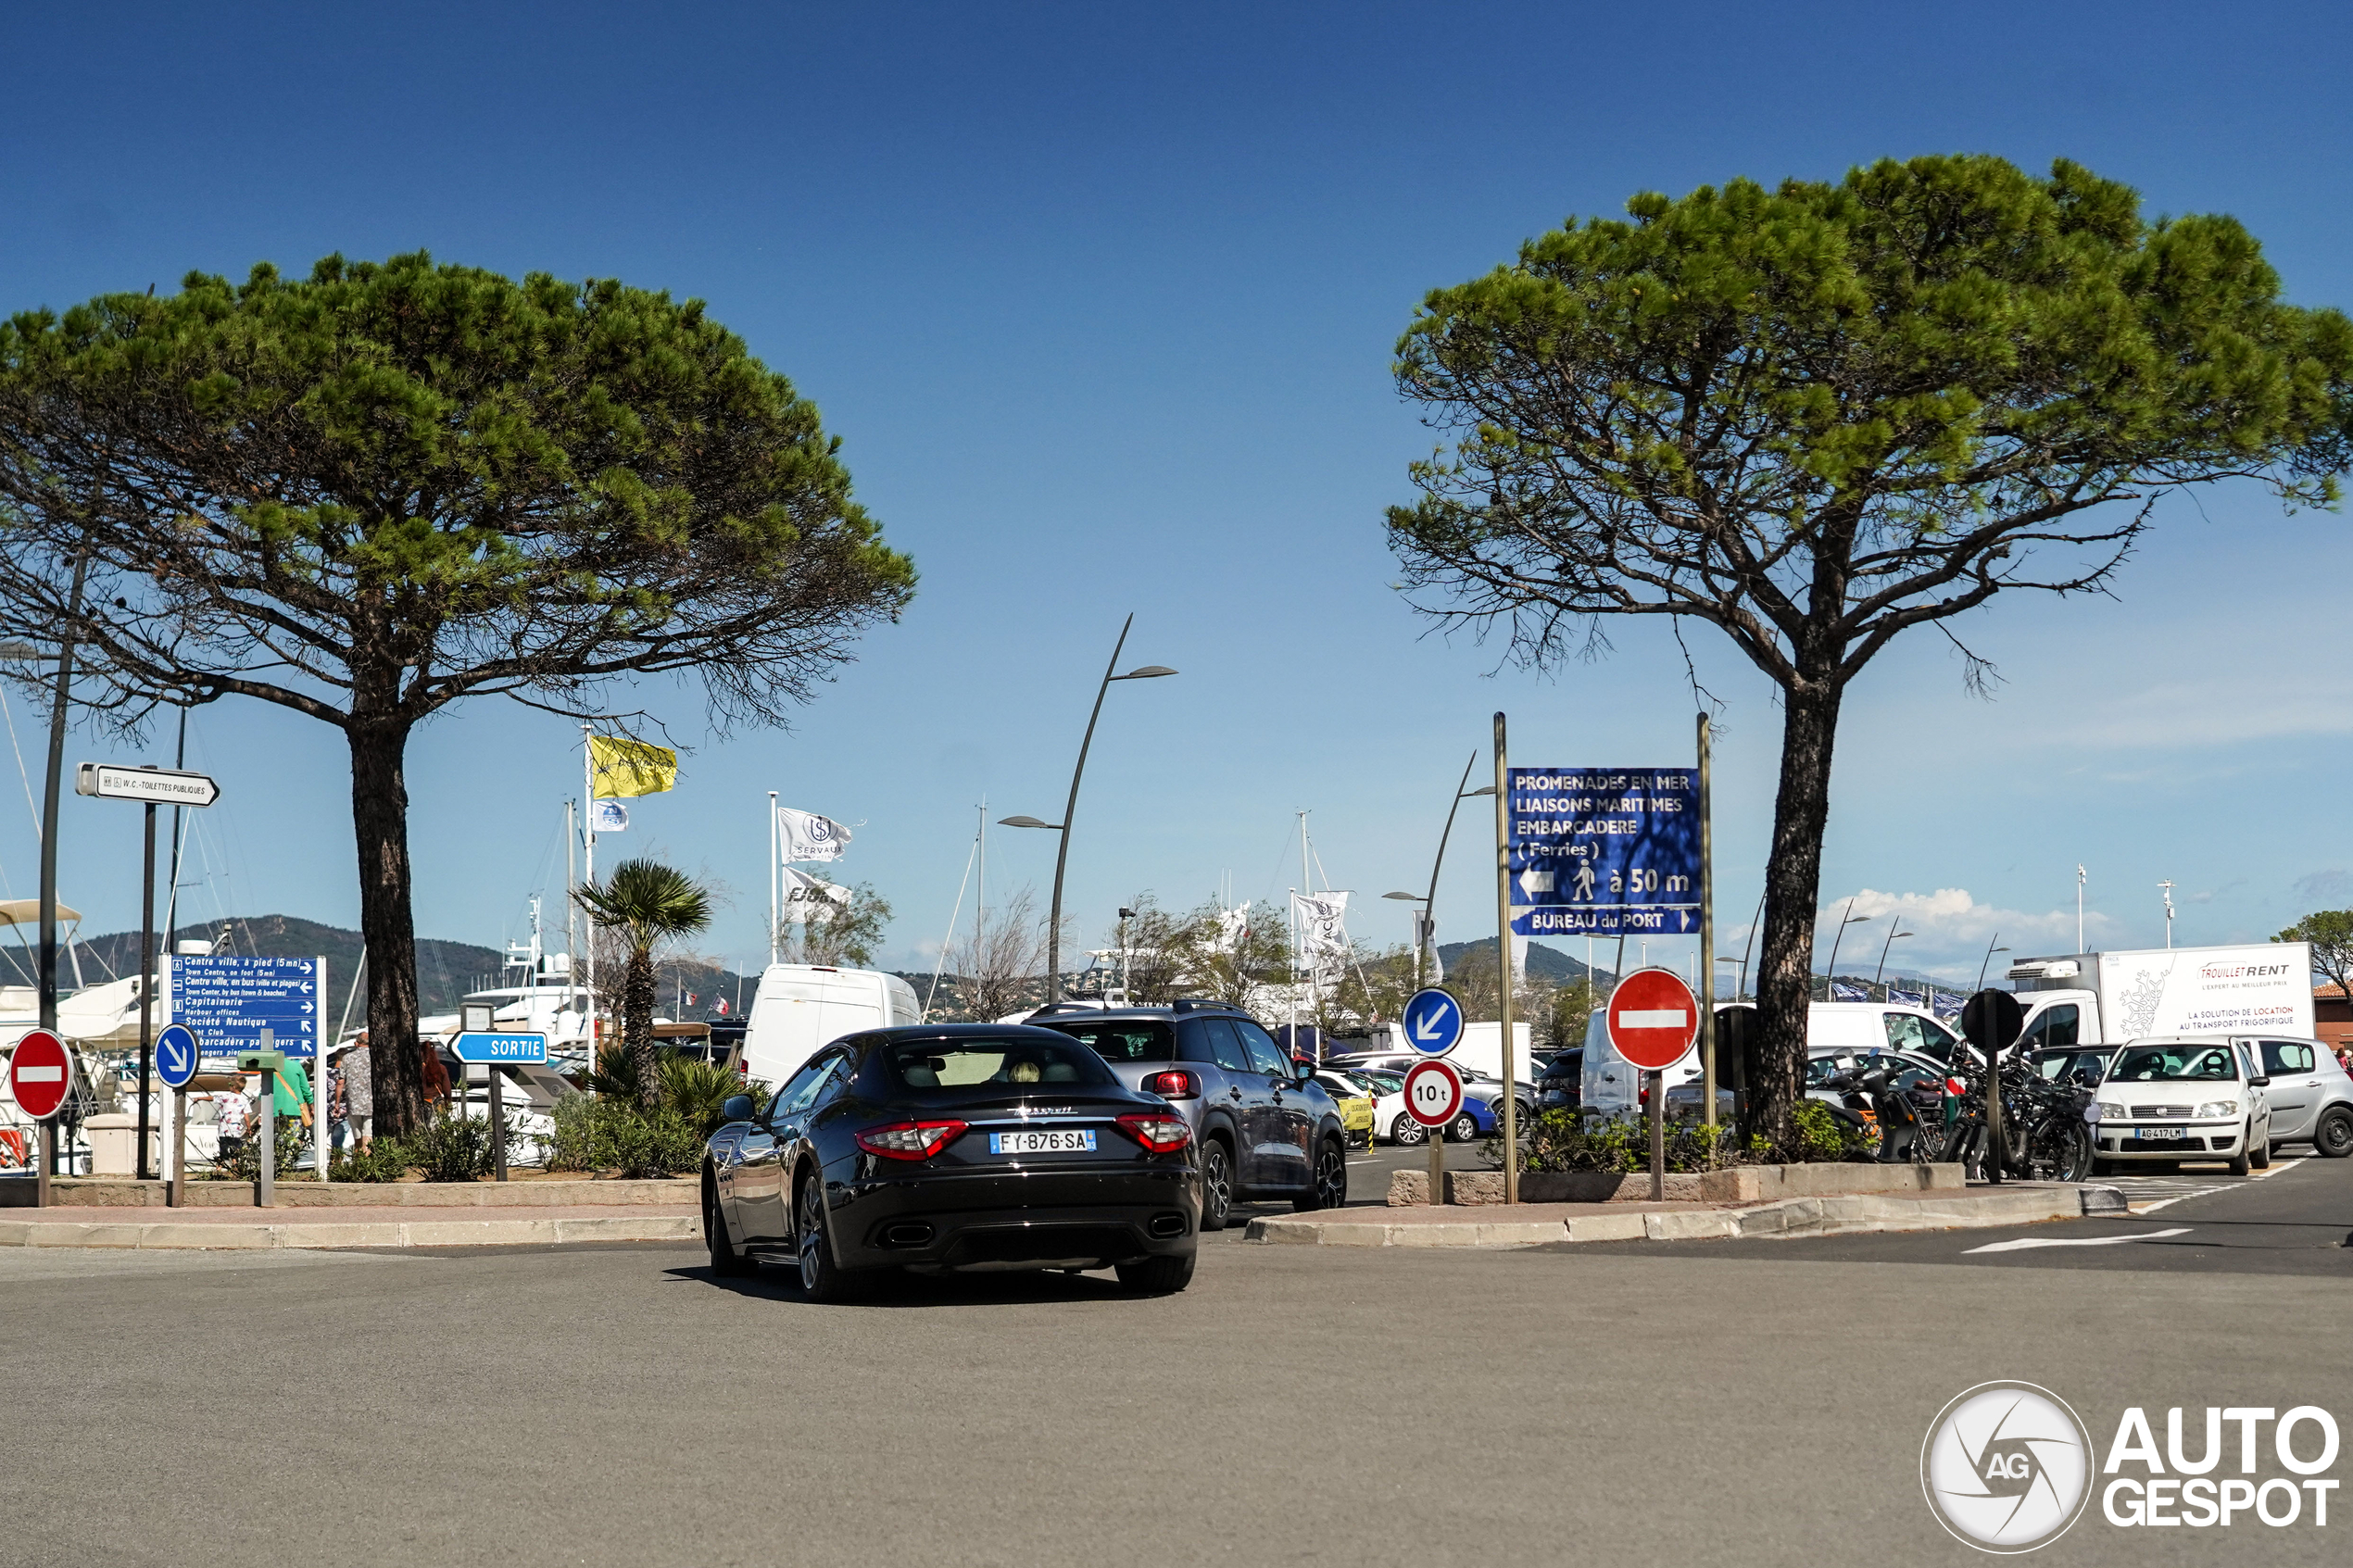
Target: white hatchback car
pixel 2185 1098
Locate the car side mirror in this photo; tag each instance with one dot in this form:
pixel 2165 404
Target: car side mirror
pixel 2261 1083
pixel 735 1107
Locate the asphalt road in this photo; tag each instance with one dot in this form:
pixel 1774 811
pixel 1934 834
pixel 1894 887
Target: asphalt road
pixel 1759 1404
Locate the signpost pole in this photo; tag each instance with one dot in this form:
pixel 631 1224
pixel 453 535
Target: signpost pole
pixel 1436 1137
pixel 497 1123
pixel 175 1165
pixel 1706 942
pixel 48 1158
pixel 1657 1082
pixel 1503 964
pixel 146 984
pixel 320 1145
pixel 264 1197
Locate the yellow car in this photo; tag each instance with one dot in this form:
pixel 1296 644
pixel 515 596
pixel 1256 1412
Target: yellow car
pixel 1355 1102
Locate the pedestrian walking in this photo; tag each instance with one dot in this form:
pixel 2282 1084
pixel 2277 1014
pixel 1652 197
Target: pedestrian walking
pixel 233 1115
pixel 360 1094
pixel 338 1104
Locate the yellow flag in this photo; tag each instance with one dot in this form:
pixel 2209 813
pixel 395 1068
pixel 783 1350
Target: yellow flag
pixel 630 767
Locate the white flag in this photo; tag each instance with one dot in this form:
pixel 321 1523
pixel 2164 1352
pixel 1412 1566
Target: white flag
pixel 806 899
pixel 1322 916
pixel 807 836
pixel 607 816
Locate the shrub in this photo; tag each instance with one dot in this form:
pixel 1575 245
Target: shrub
pixel 611 1134
pixel 244 1165
pixel 386 1160
pixel 1560 1140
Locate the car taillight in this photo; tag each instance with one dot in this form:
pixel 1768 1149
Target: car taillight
pixel 909 1140
pixel 1173 1085
pixel 1157 1130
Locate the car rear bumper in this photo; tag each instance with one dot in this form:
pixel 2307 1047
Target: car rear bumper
pixel 1075 1222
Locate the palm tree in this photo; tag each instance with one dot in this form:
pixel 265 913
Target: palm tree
pixel 647 903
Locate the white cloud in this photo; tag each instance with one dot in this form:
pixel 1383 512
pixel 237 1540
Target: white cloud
pixel 1950 932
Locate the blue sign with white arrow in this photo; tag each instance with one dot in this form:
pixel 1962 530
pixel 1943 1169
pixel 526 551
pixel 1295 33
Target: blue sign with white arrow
pixel 228 1002
pixel 482 1046
pixel 175 1056
pixel 1433 1022
pixel 1605 851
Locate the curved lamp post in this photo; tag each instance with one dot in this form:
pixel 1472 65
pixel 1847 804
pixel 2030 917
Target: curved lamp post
pixel 1429 900
pixel 1829 984
pixel 1893 936
pixel 1062 855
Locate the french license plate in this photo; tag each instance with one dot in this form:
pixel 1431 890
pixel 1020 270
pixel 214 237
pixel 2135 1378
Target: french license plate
pixel 1055 1140
pixel 2162 1135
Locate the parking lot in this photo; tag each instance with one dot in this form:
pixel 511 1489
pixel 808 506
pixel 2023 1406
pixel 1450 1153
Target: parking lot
pixel 1297 1404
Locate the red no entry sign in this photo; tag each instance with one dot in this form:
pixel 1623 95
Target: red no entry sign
pixel 1654 1018
pixel 39 1074
pixel 1433 1093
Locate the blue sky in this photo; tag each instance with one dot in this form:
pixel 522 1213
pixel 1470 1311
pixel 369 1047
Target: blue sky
pixel 1100 300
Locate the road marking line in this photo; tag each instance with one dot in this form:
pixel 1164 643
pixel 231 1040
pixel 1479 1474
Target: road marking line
pixel 2204 1192
pixel 2024 1242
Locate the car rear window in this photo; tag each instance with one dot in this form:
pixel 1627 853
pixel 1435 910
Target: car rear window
pixel 1133 1041
pixel 966 1062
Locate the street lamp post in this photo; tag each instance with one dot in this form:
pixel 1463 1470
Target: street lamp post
pixel 1893 936
pixel 1990 952
pixel 1850 918
pixel 1062 854
pixel 1428 936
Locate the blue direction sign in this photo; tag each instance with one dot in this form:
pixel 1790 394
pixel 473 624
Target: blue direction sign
pixel 175 1056
pixel 1433 1022
pixel 227 1002
pixel 1597 851
pixel 479 1047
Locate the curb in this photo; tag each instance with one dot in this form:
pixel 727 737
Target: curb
pixel 401 1233
pixel 1846 1215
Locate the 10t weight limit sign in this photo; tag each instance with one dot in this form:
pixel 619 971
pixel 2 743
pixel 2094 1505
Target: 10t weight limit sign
pixel 1433 1093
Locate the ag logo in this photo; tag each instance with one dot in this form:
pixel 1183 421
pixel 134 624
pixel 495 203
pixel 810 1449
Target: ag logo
pixel 2007 1467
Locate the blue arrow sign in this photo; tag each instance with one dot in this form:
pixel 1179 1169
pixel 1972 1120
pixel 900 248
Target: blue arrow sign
pixel 175 1056
pixel 500 1047
pixel 1433 1022
pixel 1602 851
pixel 227 1002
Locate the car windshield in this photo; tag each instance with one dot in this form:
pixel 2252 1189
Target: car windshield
pixel 2141 1064
pixel 1125 1040
pixel 964 1062
pixel 1387 1083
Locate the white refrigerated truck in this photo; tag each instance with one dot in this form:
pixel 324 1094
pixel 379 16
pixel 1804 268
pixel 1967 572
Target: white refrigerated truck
pixel 2108 998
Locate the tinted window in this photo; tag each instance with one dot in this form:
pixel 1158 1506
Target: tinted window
pixel 1938 1041
pixel 1265 1056
pixel 1224 1046
pixel 2286 1056
pixel 1131 1040
pixel 1904 1031
pixel 965 1062
pixel 2052 1027
pixel 802 1087
pixel 2140 1064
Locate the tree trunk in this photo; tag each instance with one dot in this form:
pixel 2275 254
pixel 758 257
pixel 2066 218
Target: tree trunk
pixel 379 822
pixel 638 1023
pixel 1793 891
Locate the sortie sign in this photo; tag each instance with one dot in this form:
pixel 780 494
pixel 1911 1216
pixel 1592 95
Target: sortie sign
pixel 1654 1018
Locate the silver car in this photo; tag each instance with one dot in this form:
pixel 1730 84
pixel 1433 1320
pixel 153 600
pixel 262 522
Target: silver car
pixel 2311 1097
pixel 2176 1098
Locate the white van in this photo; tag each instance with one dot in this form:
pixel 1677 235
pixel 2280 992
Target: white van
pixel 800 1008
pixel 1611 1087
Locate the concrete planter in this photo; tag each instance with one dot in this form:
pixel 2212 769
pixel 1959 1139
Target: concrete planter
pixel 299 1192
pixel 1745 1183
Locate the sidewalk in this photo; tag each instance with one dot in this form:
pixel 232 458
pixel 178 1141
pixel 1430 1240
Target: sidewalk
pixel 384 1225
pixel 1540 1225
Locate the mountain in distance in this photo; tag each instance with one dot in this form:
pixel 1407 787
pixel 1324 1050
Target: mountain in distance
pixel 1546 965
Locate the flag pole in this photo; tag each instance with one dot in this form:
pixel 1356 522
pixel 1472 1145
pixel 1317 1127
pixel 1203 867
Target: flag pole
pixel 773 913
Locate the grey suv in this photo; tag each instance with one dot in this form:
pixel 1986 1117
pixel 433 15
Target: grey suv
pixel 1264 1129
